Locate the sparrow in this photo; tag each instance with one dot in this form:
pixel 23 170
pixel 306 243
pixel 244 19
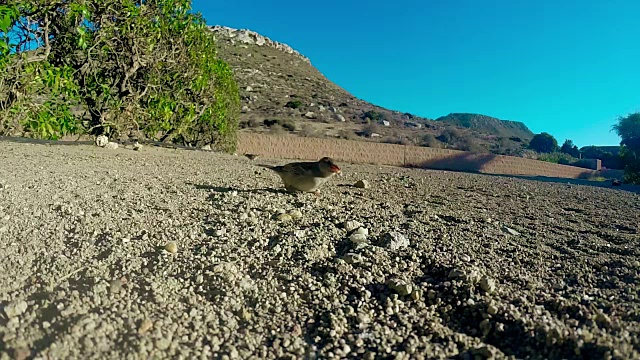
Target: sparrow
pixel 251 156
pixel 305 176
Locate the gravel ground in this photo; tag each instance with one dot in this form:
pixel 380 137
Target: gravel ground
pixel 159 253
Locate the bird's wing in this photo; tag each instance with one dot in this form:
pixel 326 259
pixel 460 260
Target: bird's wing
pixel 301 168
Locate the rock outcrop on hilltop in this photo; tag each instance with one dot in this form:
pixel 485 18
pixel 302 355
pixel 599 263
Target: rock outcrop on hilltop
pixel 247 36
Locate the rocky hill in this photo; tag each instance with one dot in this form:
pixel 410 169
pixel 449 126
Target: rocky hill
pixel 282 91
pixel 488 125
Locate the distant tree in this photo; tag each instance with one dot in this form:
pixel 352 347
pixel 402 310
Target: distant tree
pixel 544 143
pixel 429 140
pixel 507 146
pixel 457 139
pixel 609 160
pixel 450 136
pixel 293 104
pixel 628 128
pixel 369 130
pixel 373 115
pixel 569 148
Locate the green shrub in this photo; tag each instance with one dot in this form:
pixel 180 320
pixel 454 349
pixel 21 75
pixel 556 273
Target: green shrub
pixel 309 131
pixel 374 116
pixel 153 73
pixel 347 134
pixel 569 148
pixel 544 143
pixel 429 140
pixel 288 124
pixel 507 146
pixel 253 122
pixel 609 159
pixel 459 140
pixel 557 158
pixel 294 104
pixel 628 128
pixel 369 130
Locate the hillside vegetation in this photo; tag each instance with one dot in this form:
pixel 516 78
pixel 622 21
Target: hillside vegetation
pixel 488 125
pixel 282 91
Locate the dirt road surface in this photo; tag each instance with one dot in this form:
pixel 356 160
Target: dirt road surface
pixel 159 253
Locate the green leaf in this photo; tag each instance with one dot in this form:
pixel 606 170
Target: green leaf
pixel 5 23
pixel 4 47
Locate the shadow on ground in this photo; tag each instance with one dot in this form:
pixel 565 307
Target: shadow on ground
pixel 584 182
pixel 225 189
pixel 477 163
pixel 86 141
pixel 22 140
pixel 463 162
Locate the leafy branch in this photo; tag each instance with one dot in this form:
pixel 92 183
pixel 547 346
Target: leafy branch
pixel 124 68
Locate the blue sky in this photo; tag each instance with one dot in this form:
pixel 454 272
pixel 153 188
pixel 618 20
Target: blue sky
pixel 567 67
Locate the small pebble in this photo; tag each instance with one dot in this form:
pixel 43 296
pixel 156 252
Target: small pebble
pixel 15 309
pixel 401 287
pixel 111 145
pixel 358 238
pixel 484 352
pixel 145 325
pixel 102 140
pixel 284 217
pixel 485 327
pixel 163 344
pixel 362 184
pixel 510 231
pixel 295 214
pixel 21 353
pixel 394 240
pixel 492 310
pixel 352 225
pixel 115 286
pixel 456 274
pixel 171 247
pixel 352 258
pixel 488 285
